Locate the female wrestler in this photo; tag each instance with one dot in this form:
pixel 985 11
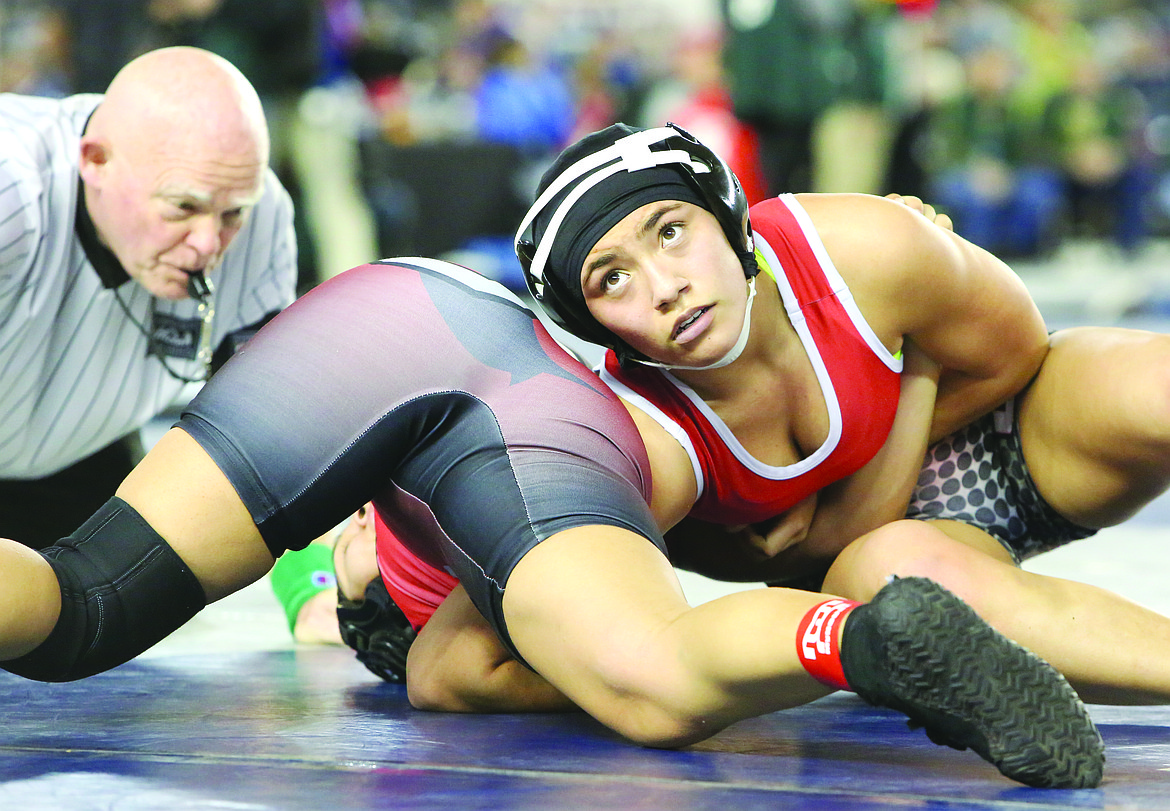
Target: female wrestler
pixel 435 395
pixel 761 361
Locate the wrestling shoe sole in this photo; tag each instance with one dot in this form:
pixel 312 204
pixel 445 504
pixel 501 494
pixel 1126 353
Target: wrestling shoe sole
pixel 934 659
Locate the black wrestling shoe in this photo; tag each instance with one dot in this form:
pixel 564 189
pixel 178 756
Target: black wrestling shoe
pixel 919 649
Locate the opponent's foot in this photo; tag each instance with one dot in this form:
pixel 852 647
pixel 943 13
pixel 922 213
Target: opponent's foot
pixel 919 649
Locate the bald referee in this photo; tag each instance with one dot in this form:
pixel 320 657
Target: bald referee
pixel 142 239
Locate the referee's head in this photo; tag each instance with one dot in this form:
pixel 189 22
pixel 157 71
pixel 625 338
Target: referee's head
pixel 172 161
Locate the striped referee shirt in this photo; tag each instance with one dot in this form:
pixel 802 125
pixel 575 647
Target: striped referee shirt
pixel 75 373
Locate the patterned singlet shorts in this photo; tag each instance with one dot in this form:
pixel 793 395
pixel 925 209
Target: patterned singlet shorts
pixel 977 475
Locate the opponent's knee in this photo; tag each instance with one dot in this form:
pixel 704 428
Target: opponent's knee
pixel 123 588
pixel 906 548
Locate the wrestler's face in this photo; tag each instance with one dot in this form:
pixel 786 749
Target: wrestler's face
pixel 666 281
pixel 171 210
pixel 355 557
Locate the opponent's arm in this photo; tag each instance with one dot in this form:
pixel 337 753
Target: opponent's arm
pixel 803 540
pixel 458 664
pixel 674 489
pixel 965 308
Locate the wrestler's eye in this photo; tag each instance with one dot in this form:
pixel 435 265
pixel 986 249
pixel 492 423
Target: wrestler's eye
pixel 670 232
pixel 612 280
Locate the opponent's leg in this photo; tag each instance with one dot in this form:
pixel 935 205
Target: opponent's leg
pixel 30 601
pixel 139 568
pixel 189 501
pixel 1095 424
pixel 599 613
pixel 1112 650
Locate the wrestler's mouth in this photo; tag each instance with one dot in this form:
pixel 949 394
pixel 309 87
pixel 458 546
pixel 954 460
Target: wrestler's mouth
pixel 688 322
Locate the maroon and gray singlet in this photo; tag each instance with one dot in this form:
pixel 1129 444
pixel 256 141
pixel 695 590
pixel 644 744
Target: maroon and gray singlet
pixel 437 395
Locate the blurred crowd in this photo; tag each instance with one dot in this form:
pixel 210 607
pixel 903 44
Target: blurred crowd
pixel 406 126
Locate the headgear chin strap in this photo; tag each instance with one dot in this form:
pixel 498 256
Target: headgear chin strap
pixel 732 354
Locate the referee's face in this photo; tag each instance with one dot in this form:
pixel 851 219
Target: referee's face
pixel 170 212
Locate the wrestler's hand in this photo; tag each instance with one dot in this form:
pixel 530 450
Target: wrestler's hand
pixel 317 620
pixel 766 539
pixel 923 208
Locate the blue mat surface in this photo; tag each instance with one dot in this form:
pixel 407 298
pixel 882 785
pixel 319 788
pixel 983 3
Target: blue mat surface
pixel 311 729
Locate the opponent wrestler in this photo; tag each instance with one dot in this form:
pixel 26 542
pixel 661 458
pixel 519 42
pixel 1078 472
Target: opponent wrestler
pixel 437 396
pixel 761 361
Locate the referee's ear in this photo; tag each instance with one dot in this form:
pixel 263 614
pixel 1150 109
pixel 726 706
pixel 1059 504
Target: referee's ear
pixel 95 154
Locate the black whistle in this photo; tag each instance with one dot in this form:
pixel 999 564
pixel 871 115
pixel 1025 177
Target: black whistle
pixel 197 286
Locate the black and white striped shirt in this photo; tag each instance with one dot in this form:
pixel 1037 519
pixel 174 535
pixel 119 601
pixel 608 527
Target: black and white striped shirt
pixel 75 374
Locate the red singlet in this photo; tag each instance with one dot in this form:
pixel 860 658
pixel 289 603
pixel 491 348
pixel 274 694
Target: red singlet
pixel 859 378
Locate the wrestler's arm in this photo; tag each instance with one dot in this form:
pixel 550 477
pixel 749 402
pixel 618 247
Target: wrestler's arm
pixel 924 208
pixel 879 492
pixel 457 664
pixel 874 495
pixel 673 487
pixel 913 279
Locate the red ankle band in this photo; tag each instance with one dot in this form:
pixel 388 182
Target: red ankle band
pixel 817 642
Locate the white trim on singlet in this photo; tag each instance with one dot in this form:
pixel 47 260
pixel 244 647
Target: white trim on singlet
pixel 659 416
pixel 75 372
pixel 796 317
pixel 840 289
pixel 470 278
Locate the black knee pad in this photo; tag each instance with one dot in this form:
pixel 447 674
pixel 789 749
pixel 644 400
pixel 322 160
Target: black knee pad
pixel 123 588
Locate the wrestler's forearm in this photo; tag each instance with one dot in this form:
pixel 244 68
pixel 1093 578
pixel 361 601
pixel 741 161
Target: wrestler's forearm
pixel 963 399
pixel 457 664
pixel 879 492
pixel 29 602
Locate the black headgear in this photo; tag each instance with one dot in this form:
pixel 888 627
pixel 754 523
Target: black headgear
pixel 595 183
pixel 377 630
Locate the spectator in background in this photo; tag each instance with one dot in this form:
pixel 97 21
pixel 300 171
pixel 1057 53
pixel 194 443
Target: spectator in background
pixel 521 102
pixel 1091 129
pixel 1051 42
pixel 103 35
pixel 1135 43
pixel 802 74
pixel 984 161
pixel 330 119
pixel 598 100
pixel 33 56
pixel 695 97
